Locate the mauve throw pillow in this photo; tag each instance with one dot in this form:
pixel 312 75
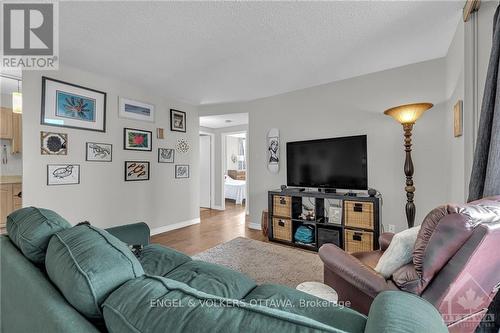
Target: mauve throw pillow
pixel 399 252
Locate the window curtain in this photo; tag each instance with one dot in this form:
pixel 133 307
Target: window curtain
pixel 485 177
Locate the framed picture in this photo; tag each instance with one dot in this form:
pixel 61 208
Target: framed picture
pixel 458 119
pixel 177 120
pixel 63 174
pixel 69 105
pixel 166 155
pixel 136 139
pixel 160 133
pixel 53 143
pixel 181 171
pixel 99 152
pixel 136 170
pixel 136 110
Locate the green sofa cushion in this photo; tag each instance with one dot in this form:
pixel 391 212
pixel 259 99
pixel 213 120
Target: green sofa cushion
pixel 213 279
pixel 165 305
pixel 30 229
pixel 87 264
pixel 160 260
pixel 294 301
pixel 393 311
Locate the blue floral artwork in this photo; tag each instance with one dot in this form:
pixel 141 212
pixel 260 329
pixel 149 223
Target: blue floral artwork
pixel 75 107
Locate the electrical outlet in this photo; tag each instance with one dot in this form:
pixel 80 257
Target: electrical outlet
pixel 391 228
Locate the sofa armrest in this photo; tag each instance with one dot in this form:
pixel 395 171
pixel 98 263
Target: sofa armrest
pixel 351 269
pixel 384 240
pixel 131 234
pixel 398 311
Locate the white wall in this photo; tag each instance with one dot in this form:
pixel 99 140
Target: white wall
pixel 219 168
pixel 14 166
pixel 355 106
pixel 103 197
pixel 455 67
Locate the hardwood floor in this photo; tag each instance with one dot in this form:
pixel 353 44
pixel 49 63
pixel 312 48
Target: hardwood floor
pixel 216 227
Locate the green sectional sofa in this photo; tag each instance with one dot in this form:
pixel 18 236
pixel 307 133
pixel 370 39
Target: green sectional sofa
pixel 58 278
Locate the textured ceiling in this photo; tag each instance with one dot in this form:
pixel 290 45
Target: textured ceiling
pixel 213 52
pixel 225 120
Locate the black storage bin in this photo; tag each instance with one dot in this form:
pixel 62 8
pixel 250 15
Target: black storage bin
pixel 329 235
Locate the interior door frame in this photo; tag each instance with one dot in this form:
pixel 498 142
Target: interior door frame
pixel 212 166
pixel 223 140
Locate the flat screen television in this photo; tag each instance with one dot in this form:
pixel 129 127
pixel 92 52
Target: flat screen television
pixel 336 163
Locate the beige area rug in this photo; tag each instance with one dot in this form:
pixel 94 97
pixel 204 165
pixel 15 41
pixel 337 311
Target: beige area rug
pixel 266 262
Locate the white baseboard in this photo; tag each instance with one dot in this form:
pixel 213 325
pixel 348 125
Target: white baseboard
pixel 255 226
pixel 174 226
pixel 217 207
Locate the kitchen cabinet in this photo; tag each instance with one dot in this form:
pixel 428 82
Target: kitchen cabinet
pixel 11 128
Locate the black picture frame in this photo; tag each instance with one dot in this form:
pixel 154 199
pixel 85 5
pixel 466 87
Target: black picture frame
pixel 188 171
pixel 63 164
pixel 183 114
pixel 98 143
pixel 150 148
pixel 43 113
pixel 136 180
pixel 173 155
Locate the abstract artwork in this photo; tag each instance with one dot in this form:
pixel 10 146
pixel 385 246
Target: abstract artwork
pixel 69 105
pixel 181 171
pixel 75 107
pixel 53 143
pixel 99 152
pixel 182 146
pixel 177 120
pixel 135 139
pixel 136 170
pixel 166 155
pixel 63 174
pixel 136 110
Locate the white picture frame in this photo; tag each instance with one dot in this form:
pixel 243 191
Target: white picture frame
pixel 136 110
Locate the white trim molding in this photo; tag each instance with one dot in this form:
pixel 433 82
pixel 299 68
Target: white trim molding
pixel 217 207
pixel 170 227
pixel 254 226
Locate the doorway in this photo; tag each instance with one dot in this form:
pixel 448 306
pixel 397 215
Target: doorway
pixel 234 172
pixel 219 127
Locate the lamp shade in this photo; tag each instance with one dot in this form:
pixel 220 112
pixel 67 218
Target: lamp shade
pixel 17 102
pixel 408 113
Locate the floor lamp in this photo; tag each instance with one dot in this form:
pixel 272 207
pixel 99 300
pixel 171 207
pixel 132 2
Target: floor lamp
pixel 407 115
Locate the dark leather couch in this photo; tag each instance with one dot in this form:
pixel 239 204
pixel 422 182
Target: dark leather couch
pixel 456 265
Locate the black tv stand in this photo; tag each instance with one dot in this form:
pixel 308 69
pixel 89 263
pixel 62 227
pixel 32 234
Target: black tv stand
pixel 355 229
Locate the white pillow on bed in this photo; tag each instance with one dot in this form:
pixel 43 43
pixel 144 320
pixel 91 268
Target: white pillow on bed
pixel 399 252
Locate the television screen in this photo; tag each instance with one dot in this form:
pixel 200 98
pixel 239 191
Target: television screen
pixel 339 163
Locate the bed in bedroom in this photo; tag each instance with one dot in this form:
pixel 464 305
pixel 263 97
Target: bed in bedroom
pixel 235 189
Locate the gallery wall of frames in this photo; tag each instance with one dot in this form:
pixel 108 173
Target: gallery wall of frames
pixel 123 151
pixel 70 105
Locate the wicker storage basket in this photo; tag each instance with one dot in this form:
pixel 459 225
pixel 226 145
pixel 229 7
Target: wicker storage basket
pixel 358 214
pixel 358 240
pixel 282 229
pixel 282 206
